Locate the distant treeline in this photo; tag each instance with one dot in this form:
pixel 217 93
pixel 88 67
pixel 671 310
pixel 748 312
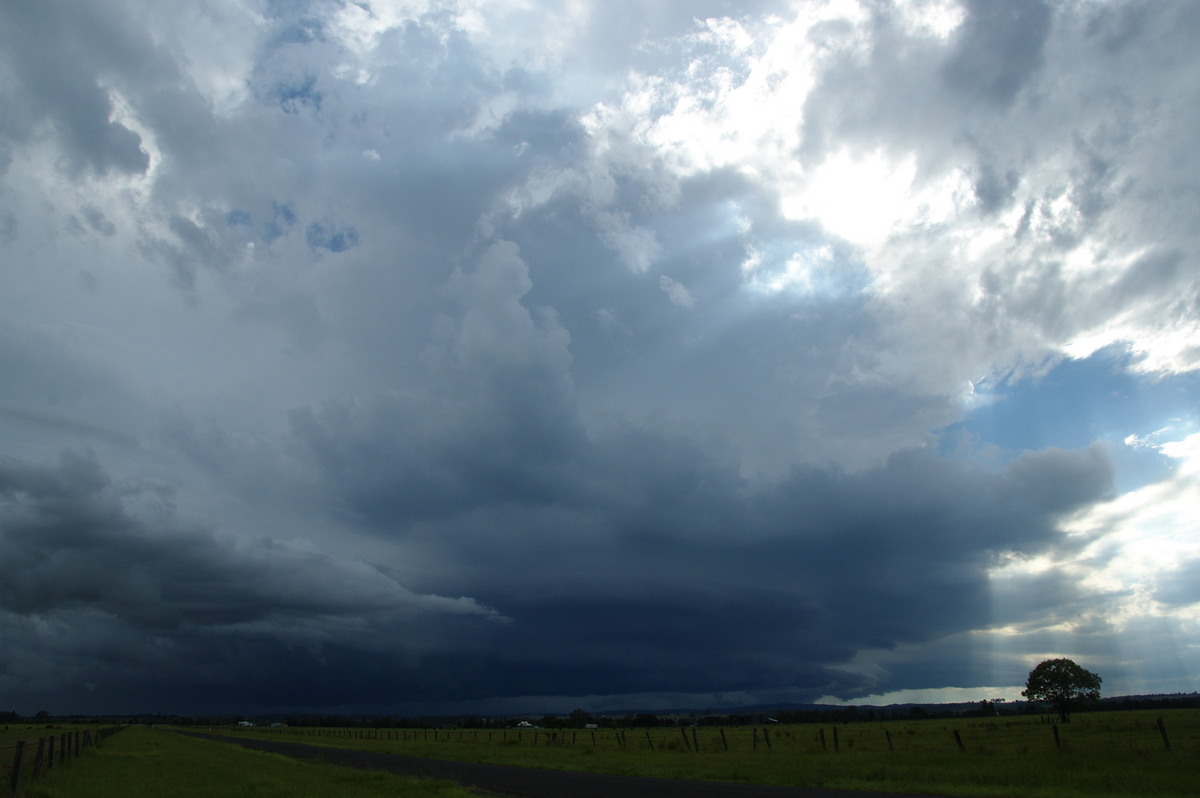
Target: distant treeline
pixel 1173 701
pixel 579 718
pixel 42 716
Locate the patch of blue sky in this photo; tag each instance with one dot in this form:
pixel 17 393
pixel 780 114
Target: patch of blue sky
pixel 1079 402
pixel 807 266
pixel 283 217
pixel 301 32
pixel 333 239
pixel 292 97
pixel 293 22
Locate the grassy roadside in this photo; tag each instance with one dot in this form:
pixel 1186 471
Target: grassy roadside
pixel 141 762
pixel 1102 755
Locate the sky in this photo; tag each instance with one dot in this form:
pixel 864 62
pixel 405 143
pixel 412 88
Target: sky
pixel 450 356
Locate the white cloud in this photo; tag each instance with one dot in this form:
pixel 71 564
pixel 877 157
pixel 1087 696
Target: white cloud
pixel 1134 536
pixel 860 199
pixel 940 18
pixel 636 246
pixel 218 42
pixel 1124 556
pixel 677 292
pixel 936 695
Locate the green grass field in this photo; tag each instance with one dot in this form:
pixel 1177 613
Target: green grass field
pixel 142 762
pixel 12 733
pixel 1102 754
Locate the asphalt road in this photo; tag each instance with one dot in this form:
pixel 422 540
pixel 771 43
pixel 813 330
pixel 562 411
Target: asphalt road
pixel 521 782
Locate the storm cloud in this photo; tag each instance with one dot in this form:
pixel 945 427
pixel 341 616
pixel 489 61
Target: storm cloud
pixel 451 356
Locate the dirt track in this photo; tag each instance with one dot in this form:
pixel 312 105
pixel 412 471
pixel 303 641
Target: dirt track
pixel 522 782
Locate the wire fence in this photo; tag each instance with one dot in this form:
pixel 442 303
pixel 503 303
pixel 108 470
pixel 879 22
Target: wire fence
pixel 32 759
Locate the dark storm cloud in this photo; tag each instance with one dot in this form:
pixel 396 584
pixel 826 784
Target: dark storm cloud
pixel 633 551
pixel 495 376
pixel 53 88
pixel 60 423
pixel 1180 587
pixel 995 191
pixel 999 48
pixel 51 391
pixel 110 565
pixel 60 520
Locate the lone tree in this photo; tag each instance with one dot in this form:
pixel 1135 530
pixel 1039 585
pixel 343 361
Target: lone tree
pixel 1062 684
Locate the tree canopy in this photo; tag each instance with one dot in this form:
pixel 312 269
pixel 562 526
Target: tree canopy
pixel 1063 684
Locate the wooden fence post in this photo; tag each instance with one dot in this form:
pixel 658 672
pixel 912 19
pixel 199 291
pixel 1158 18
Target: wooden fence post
pixel 37 758
pixel 724 742
pixel 683 731
pixel 1162 729
pixel 824 747
pixel 50 752
pixel 767 739
pixel 14 778
pixel 695 743
pixel 888 735
pixel 958 741
pixel 755 738
pixel 649 741
pixel 836 746
pixel 1057 741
